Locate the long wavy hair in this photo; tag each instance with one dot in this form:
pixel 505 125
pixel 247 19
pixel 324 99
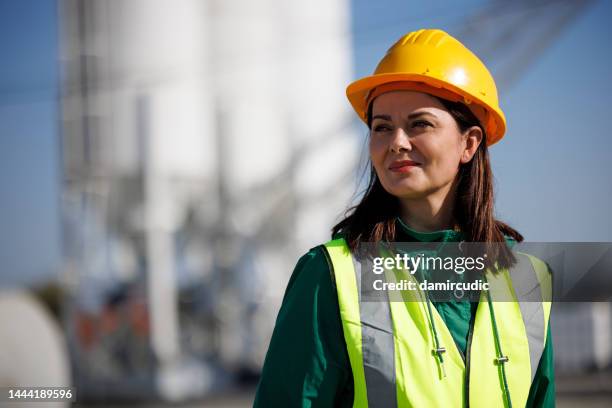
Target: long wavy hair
pixel 373 219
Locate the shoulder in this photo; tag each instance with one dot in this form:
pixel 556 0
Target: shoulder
pixel 314 257
pixel 311 272
pixel 539 265
pixel 310 290
pixel 314 270
pixel 315 261
pixel 533 272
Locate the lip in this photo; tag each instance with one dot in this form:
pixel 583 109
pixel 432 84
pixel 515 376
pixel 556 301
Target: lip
pixel 403 166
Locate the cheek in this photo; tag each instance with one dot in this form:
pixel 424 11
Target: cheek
pixel 444 160
pixel 378 150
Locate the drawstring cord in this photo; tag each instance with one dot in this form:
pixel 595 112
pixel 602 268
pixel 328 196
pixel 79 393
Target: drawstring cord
pixel 438 350
pixel 500 358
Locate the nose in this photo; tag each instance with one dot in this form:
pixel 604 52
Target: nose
pixel 399 141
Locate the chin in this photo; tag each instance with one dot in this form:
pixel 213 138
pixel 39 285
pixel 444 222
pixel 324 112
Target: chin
pixel 404 190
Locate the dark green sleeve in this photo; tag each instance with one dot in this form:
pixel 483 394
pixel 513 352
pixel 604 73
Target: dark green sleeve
pixel 307 363
pixel 542 392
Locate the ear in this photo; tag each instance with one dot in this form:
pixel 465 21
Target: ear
pixel 472 138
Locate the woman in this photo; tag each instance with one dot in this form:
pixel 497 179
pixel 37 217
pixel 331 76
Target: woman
pixel 432 110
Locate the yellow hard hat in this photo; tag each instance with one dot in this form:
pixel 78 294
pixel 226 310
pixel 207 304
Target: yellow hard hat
pixel 434 62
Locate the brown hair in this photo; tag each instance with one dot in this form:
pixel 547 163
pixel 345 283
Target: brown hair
pixel 373 218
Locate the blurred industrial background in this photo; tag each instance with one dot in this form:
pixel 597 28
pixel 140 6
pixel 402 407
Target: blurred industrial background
pixel 165 163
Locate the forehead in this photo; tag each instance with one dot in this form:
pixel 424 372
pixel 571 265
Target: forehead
pixel 403 102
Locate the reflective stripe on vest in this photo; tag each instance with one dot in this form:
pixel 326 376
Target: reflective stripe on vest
pixel 390 344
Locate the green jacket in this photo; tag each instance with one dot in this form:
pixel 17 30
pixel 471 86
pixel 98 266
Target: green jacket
pixel 307 364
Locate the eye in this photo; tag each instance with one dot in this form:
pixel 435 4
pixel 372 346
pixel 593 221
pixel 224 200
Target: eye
pixel 421 124
pixel 381 128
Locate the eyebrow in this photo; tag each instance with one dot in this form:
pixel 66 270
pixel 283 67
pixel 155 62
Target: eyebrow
pixel 411 116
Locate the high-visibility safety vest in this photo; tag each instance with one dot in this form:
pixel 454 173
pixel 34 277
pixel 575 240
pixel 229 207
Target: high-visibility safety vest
pixel 391 345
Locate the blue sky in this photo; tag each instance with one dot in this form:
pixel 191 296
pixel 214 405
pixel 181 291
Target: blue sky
pixel 552 171
pixel 29 152
pixel 554 181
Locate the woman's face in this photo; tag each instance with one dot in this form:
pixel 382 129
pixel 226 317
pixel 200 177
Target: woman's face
pixel 416 146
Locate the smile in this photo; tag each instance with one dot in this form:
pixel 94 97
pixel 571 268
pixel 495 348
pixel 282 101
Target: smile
pixel 403 166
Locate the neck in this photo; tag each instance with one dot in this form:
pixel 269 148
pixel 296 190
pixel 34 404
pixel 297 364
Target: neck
pixel 432 212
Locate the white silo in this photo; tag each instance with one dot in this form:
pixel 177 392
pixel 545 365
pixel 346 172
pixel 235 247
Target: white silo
pixel 224 122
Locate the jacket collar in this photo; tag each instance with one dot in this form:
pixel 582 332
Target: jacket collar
pixel 410 234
